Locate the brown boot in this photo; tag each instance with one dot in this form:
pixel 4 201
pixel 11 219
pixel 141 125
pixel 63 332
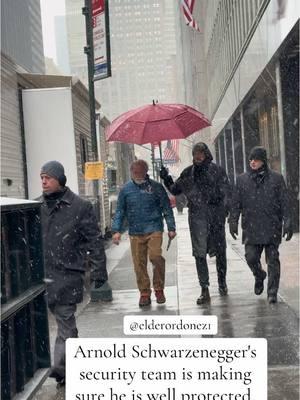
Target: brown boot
pixel 160 297
pixel 204 297
pixel 145 300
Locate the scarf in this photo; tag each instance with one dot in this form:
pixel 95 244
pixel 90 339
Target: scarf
pixel 52 199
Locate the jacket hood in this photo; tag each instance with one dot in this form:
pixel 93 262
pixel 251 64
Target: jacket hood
pixel 201 146
pixel 258 153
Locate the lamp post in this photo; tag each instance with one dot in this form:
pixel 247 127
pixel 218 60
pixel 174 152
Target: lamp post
pixel 89 51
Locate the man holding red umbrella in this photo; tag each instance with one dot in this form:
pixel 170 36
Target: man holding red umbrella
pixel 203 183
pixel 207 190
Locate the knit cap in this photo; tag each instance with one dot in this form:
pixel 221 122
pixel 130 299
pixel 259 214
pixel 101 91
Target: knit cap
pixel 56 170
pixel 258 153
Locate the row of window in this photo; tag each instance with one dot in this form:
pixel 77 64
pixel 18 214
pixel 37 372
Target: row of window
pixel 233 24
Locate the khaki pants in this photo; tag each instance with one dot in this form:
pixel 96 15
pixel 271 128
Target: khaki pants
pixel 141 246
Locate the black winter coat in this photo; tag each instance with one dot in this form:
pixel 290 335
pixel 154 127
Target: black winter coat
pixel 208 198
pixel 263 204
pixel 70 230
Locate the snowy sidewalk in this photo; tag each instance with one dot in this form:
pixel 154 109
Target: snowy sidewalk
pixel 243 314
pixel 240 314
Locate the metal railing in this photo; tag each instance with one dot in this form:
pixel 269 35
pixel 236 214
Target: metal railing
pixel 25 350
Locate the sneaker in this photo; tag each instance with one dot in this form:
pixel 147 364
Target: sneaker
pixel 160 297
pixel 272 298
pixel 259 284
pixel 145 300
pixel 204 297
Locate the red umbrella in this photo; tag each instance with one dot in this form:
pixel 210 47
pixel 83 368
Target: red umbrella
pixel 156 122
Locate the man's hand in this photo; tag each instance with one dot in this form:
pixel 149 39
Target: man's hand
pixel 116 238
pixel 171 234
pixel 288 231
pixel 164 173
pixel 233 229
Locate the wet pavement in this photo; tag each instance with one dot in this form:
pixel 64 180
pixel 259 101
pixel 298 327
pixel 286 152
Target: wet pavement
pixel 240 314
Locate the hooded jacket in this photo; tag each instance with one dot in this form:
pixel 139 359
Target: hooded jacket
pixel 207 190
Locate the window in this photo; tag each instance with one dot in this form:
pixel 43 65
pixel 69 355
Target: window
pixel 83 151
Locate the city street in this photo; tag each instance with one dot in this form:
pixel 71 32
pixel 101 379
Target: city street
pixel 112 112
pixel 240 314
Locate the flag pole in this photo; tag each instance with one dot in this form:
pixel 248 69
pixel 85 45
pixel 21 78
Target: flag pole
pixel 152 159
pixel 160 153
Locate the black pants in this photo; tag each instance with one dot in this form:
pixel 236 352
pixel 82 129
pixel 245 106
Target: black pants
pixel 253 254
pixel 66 328
pixel 200 238
pixel 221 264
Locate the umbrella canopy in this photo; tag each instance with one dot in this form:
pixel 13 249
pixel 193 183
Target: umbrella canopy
pixel 155 123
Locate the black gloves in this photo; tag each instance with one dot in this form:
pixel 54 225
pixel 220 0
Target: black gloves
pixel 164 173
pixel 287 230
pixel 233 229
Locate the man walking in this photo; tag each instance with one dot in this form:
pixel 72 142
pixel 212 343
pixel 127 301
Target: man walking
pixel 144 203
pixel 207 190
pixel 69 231
pixel 261 197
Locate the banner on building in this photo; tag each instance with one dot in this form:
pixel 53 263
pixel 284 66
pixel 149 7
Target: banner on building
pixel 94 170
pixel 100 21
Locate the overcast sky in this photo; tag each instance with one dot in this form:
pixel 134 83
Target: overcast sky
pixel 49 9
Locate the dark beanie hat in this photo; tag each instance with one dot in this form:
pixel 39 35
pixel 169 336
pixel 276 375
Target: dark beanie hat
pixel 258 153
pixel 56 170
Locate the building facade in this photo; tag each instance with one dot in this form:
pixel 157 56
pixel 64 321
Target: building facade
pixel 61 42
pixel 144 55
pixel 22 51
pixel 21 34
pixel 251 50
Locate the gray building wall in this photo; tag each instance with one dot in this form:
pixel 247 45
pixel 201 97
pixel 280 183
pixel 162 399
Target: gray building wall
pixel 81 115
pixel 61 42
pixel 252 52
pixel 143 53
pixel 194 82
pixel 21 46
pixel 76 38
pixel 21 34
pixel 12 156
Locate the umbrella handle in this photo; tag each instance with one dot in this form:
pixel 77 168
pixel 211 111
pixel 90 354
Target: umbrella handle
pixel 160 154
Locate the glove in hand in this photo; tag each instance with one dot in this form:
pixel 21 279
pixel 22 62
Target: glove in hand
pixel 164 173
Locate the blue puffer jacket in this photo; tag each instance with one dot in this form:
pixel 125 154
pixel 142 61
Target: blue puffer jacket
pixel 144 206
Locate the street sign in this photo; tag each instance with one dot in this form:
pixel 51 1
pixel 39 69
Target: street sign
pixel 102 65
pixel 94 170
